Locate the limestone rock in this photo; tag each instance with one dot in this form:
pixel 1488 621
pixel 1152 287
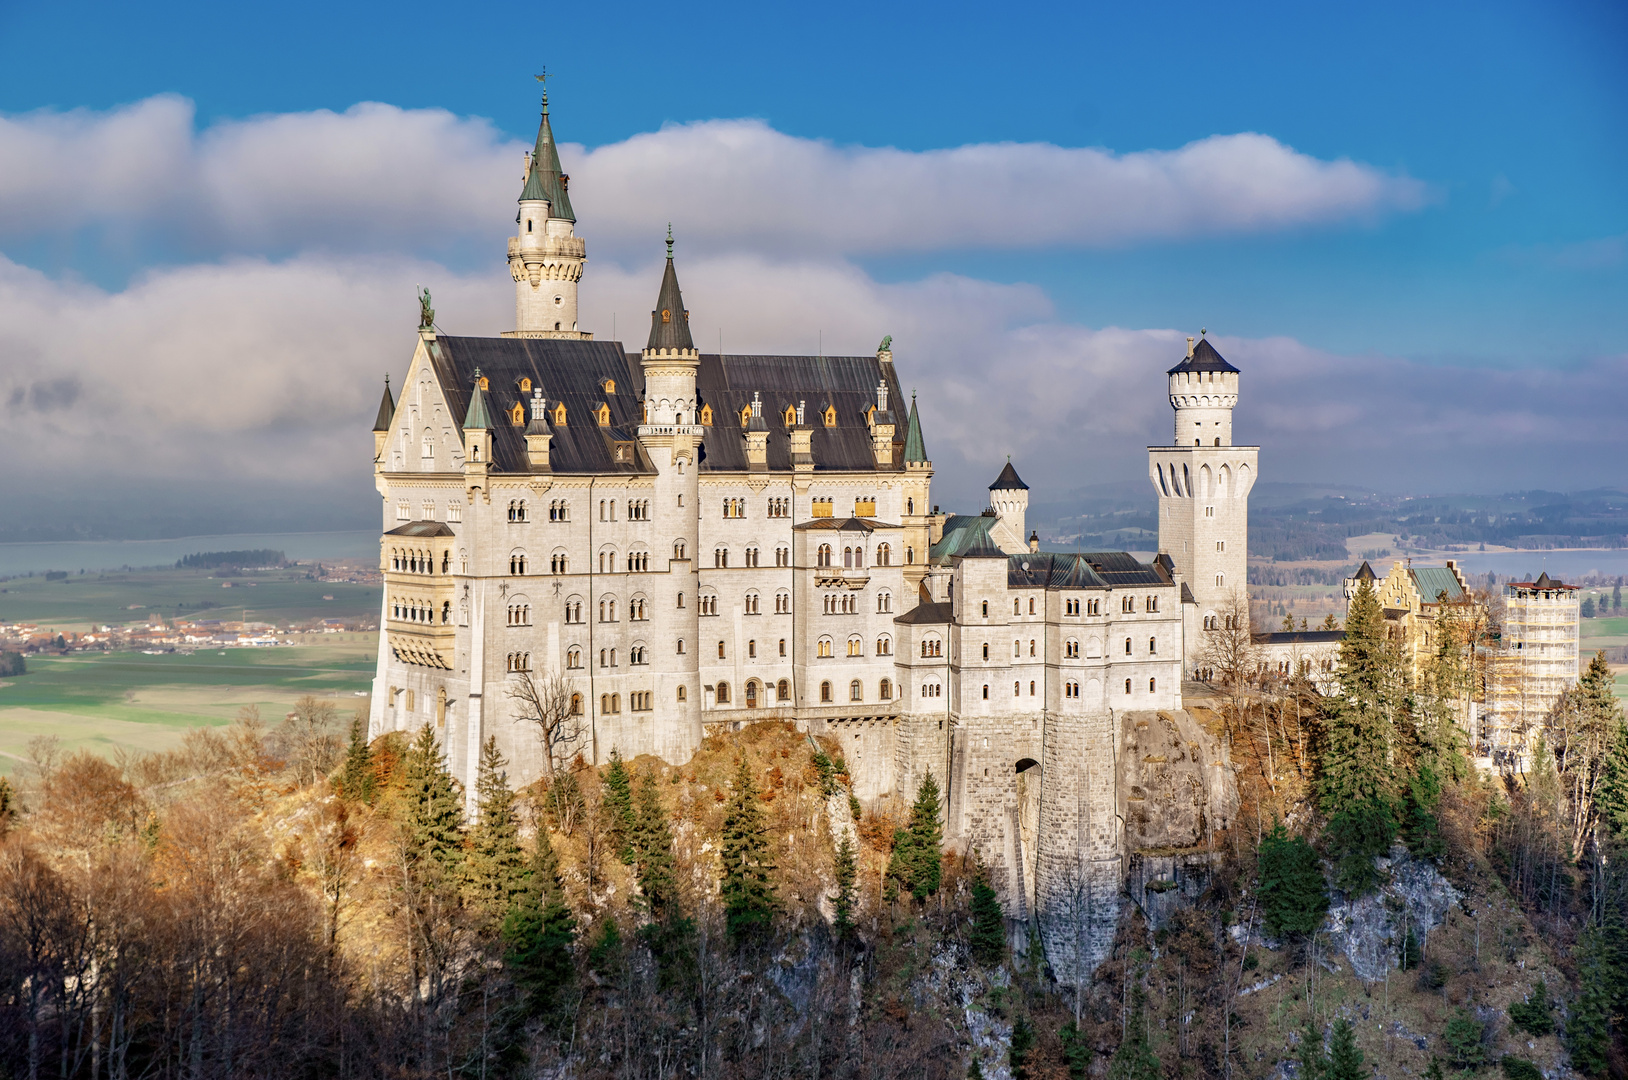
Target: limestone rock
pixel 1370 929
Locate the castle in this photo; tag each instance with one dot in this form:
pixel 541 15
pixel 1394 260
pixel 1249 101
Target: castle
pixel 647 547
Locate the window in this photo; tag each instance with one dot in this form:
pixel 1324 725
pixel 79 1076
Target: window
pixel 559 510
pixel 637 610
pixel 823 557
pixel 1093 607
pixel 455 511
pixel 607 562
pixel 751 603
pixel 1220 545
pixel 557 564
pixel 910 555
pixel 1152 683
pixel 782 690
pixel 1127 604
pixel 1127 686
pixel 1017 606
pixel 932 647
pixel 779 508
pixel 782 556
pixel 820 506
pixel 782 646
pixel 681 646
pixel 573 658
pixel 520 614
pixel 1209 622
pixel 1220 580
pixel 1071 690
pixel 517 564
pixel 1031 605
pixel 641 701
pixel 638 562
pixel 638 655
pixel 848 559
pixel 1016 689
pixel 1031 647
pixel 708 602
pixel 576 704
pixel 678 553
pixel 751 649
pixel 884 555
pixel 1071 649
pixel 1153 646
pixel 751 694
pixel 722 695
pixel 1017 649
pixel 683 694
pixel 1209 511
pixel 884 602
pixel 986 691
pixel 720 557
pixel 607 610
pixel 856 646
pixel 720 650
pixel 519 661
pixel 446 612
pixel 856 691
pixel 410 701
pixel 610 703
pixel 1127 646
pixel 884 646
pixel 517 510
pixel 823 648
pixel 1031 688
pixel 986 650
pixel 782 603
pixel 910 506
pixel 931 689
pixel 1152 604
pixel 573 611
pixel 734 508
pixel 751 556
pixel 638 510
pixel 825 693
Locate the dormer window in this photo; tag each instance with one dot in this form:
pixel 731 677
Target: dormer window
pixel 604 414
pixel 525 386
pixel 791 415
pixel 610 386
pixel 559 413
pixel 666 316
pixel 830 416
pixel 706 413
pixel 517 415
pixel 746 415
pixel 485 383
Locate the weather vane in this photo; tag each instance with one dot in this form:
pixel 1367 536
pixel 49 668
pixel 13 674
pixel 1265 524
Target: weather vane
pixel 543 78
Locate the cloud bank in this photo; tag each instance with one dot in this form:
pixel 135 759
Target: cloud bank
pixel 257 359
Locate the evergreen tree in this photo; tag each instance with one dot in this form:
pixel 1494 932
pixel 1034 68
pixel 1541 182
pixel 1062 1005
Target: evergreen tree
pixel 538 933
pixel 7 805
pixel 618 808
pixel 1135 1060
pixel 917 864
pixel 1462 1041
pixel 748 892
pixel 1344 1059
pixel 432 816
pixel 356 781
pixel 842 900
pixel 1022 1046
pixel 1411 953
pixel 1535 1015
pixel 988 935
pixel 1355 781
pixel 1077 1052
pixel 496 868
pixel 1421 830
pixel 975 1071
pixel 1293 892
pixel 1588 1031
pixel 1611 798
pixel 1616 596
pixel 1313 1062
pixel 653 847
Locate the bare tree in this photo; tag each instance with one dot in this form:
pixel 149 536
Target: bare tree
pixel 310 738
pixel 1228 655
pixel 548 703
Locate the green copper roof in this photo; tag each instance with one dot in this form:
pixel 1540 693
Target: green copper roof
pixel 1433 581
pixel 544 180
pixel 670 323
pixel 476 419
pixel 914 450
pixel 387 409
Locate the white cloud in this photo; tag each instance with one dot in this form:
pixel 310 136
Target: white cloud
pixel 376 177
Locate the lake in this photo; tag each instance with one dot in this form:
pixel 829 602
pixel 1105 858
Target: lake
pixel 115 554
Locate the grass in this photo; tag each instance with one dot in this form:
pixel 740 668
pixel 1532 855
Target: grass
pixel 1603 633
pixel 80 602
pixel 138 702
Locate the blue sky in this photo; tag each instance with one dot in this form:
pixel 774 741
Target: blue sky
pixel 1507 124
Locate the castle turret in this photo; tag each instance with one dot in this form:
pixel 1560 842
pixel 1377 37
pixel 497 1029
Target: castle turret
pixel 545 257
pixel 1009 498
pixel 1203 391
pixel 381 426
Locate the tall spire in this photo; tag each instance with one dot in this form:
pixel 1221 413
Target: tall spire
pixel 476 419
pixel 914 449
pixel 670 323
pixel 544 180
pixel 387 409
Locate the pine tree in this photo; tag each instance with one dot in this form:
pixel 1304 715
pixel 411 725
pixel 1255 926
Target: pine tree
pixel 356 781
pixel 847 872
pixel 1355 781
pixel 917 864
pixel 1411 953
pixel 538 933
pixel 653 847
pixel 1077 1051
pixel 432 813
pixel 748 892
pixel 1344 1059
pixel 1535 1015
pixel 1611 798
pixel 987 937
pixel 1588 1030
pixel 1022 1046
pixel 1293 892
pixel 1135 1060
pixel 618 808
pixel 1462 1041
pixel 496 867
pixel 1313 1062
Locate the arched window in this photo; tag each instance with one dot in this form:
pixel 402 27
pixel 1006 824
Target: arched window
pixel 910 555
pixel 722 696
pixel 1151 685
pixel 678 553
pixel 782 690
pixel 823 557
pixel 884 646
pixel 825 692
pixel 823 649
pixel 886 690
pixel 986 650
pixel 856 646
pixel 884 555
pixel 1153 645
pixel 573 658
pixel 720 650
pixel 751 694
pixel 1016 688
pixel 517 564
pixel 683 694
pixel 1017 649
pixel 1127 646
pixel 986 691
pixel 576 704
pixel 856 691
pixel 1127 686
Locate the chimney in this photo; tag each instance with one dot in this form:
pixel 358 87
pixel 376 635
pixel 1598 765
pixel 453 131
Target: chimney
pixel 1034 543
pixel 538 434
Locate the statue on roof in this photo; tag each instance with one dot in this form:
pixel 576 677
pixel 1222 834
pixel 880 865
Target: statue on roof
pixel 426 314
pixel 887 344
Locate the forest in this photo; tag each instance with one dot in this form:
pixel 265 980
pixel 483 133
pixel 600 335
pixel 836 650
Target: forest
pixel 290 899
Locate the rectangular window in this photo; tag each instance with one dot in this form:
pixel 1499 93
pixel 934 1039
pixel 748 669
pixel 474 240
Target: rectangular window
pixel 455 511
pixel 404 512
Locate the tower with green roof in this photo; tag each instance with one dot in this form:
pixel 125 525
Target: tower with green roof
pixel 545 255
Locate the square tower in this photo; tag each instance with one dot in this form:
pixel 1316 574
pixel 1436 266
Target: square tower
pixel 1203 484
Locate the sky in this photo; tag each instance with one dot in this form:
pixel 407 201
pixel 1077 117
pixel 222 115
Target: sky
pixel 1406 223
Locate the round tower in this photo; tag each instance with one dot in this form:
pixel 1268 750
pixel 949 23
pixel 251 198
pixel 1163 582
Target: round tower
pixel 1203 391
pixel 545 257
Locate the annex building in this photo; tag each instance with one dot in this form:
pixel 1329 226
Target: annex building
pixel 681 542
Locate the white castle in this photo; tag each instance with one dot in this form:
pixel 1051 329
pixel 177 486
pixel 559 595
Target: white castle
pixel 686 542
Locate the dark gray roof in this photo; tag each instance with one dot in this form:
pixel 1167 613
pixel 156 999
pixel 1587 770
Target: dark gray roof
pixel 727 384
pixel 1366 572
pixel 387 409
pixel 1090 570
pixel 421 528
pixel 544 179
pixel 1204 358
pixel 670 323
pixel 929 613
pixel 847 524
pixel 569 371
pixel 1300 637
pixel 1008 480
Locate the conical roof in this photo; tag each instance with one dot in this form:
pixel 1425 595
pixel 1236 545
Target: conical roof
pixel 670 323
pixel 914 449
pixel 387 409
pixel 544 180
pixel 1544 581
pixel 476 418
pixel 1366 572
pixel 1204 358
pixel 1008 480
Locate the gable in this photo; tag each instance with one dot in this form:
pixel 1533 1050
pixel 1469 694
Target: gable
pixel 425 420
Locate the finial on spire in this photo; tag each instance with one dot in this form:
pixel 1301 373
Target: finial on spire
pixel 1202 331
pixel 543 78
pixel 477 375
pixel 387 382
pixel 669 239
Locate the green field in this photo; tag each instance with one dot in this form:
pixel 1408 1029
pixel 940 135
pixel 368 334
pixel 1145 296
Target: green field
pixel 138 702
pixel 1603 633
pixel 83 601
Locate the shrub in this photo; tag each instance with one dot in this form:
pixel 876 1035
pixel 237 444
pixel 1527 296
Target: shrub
pixel 1462 1041
pixel 1535 1015
pixel 1519 1068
